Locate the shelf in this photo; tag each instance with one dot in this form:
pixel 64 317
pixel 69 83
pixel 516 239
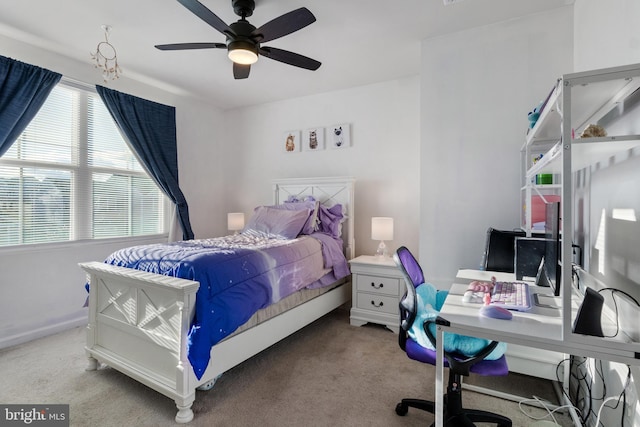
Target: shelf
pixel 585 152
pixel 594 95
pixel 547 127
pixel 542 187
pixel 548 163
pixel 592 151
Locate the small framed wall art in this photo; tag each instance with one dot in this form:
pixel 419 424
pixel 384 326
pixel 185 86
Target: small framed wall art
pixel 340 136
pixel 291 141
pixel 313 139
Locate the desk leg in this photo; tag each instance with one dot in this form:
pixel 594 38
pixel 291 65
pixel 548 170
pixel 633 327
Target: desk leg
pixel 439 375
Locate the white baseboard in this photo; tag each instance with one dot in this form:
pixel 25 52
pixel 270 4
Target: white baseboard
pixel 41 332
pixel 535 362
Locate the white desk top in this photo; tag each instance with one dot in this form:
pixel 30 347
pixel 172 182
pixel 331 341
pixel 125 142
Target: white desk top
pixel 543 326
pixel 539 327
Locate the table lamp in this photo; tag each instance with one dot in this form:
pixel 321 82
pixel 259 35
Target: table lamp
pixel 382 229
pixel 235 221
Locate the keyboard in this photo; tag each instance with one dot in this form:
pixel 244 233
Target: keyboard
pixel 511 295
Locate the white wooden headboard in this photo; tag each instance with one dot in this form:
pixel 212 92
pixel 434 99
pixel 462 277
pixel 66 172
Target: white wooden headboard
pixel 329 192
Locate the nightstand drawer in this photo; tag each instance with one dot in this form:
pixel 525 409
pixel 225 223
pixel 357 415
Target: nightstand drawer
pixel 378 285
pixel 377 303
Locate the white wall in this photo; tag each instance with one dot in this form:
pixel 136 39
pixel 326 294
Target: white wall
pixel 606 35
pixel 383 158
pixel 41 287
pixel 477 87
pixel 227 162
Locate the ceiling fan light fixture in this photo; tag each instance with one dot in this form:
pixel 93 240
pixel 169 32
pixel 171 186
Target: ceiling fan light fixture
pixel 242 52
pixel 243 40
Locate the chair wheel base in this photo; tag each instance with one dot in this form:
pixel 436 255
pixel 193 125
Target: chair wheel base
pixel 402 409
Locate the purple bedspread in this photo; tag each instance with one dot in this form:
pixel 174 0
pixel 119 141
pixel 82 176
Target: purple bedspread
pixel 238 275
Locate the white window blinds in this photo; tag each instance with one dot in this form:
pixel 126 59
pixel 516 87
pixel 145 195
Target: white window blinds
pixel 70 176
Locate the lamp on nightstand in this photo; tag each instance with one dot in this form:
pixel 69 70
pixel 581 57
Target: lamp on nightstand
pixel 382 229
pixel 235 221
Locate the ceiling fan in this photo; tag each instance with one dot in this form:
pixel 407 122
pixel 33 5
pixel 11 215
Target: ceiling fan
pixel 244 40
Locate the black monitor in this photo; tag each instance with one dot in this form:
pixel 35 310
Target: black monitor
pixel 528 253
pixel 552 256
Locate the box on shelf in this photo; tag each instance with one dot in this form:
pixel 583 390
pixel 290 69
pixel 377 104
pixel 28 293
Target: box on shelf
pixel 544 178
pixel 538 206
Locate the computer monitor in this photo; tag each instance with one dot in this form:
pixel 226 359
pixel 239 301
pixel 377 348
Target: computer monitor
pixel 552 257
pixel 528 253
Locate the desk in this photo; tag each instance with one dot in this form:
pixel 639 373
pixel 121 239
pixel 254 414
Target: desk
pixel 539 327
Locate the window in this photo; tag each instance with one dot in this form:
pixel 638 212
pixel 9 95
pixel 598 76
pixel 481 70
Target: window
pixel 71 176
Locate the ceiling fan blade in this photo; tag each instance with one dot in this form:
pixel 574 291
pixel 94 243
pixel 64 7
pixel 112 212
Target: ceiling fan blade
pixel 290 58
pixel 183 46
pixel 283 25
pixel 206 15
pixel 241 71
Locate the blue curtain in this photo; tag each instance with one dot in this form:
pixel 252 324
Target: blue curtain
pixel 23 90
pixel 151 132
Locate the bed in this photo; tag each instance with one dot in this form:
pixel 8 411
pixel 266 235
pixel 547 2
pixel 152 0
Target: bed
pixel 145 324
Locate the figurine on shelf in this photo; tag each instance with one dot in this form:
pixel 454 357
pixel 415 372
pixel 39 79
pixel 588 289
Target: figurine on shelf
pixel 593 131
pixel 534 115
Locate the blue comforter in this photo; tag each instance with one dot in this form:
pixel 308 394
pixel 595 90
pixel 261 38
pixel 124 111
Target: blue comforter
pixel 238 275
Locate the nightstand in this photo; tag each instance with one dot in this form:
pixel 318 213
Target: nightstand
pixel 377 288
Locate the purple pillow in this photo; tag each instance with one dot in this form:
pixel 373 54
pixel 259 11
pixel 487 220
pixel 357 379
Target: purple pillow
pixel 281 222
pixel 311 225
pixel 330 220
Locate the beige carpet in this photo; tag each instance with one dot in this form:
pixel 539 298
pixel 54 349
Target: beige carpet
pixel 328 374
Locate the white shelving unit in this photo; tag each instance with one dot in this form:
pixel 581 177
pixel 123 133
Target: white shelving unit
pixel 543 139
pixel 577 100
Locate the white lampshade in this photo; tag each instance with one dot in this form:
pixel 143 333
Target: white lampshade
pixel 382 229
pixel 235 221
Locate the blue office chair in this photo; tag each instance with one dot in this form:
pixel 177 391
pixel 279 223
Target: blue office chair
pixel 459 365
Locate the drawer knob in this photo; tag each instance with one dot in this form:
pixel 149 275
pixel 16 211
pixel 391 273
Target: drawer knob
pixel 376 305
pixel 377 287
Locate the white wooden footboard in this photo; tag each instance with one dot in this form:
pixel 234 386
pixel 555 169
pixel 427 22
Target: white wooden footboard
pixel 139 322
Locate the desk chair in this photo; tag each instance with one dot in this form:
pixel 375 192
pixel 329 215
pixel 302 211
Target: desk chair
pixel 459 365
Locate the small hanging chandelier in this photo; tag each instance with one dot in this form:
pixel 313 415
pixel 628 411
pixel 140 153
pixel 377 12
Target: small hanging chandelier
pixel 106 58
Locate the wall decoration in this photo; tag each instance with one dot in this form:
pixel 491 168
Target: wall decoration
pixel 313 139
pixel 339 136
pixel 291 141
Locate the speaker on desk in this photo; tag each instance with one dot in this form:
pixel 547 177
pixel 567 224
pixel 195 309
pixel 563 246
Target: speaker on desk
pixel 589 314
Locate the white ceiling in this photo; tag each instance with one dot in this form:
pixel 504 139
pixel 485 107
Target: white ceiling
pixel 358 41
